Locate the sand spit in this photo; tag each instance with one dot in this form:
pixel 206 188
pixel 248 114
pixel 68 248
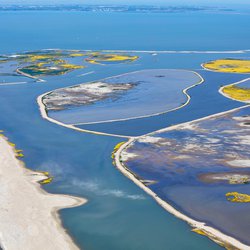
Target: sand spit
pixel 45 116
pixel 189 124
pixel 12 83
pixel 30 76
pixel 43 108
pixel 198 226
pixel 28 215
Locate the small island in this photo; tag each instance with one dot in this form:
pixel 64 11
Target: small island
pixel 186 166
pixel 239 91
pixel 229 65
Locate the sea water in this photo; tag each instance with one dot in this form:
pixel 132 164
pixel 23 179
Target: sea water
pixel 118 215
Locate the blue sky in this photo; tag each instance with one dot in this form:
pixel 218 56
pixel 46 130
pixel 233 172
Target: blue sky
pixel 155 2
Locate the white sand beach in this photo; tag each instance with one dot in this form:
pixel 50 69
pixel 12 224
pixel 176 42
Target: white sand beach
pixel 28 215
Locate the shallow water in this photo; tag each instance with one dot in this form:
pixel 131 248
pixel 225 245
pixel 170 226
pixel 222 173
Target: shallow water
pixel 178 160
pixel 202 103
pixel 118 215
pixel 245 84
pixel 154 91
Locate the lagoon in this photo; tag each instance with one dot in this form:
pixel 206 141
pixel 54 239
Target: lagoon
pixel 118 215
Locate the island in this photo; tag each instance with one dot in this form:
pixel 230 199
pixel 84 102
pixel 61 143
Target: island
pixel 193 159
pixel 228 65
pixel 186 166
pixel 239 91
pixel 135 94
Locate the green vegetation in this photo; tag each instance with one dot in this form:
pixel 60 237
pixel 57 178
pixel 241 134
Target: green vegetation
pixel 237 93
pixel 229 66
pixel 116 148
pixel 41 69
pixel 47 180
pixel 46 63
pixel 237 197
pixel 56 62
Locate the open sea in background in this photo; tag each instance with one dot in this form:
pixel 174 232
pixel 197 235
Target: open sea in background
pixel 119 215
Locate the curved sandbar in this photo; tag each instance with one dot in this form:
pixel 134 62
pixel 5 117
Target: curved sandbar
pixel 237 93
pixel 44 115
pixel 153 92
pixel 30 76
pixel 29 215
pixel 199 227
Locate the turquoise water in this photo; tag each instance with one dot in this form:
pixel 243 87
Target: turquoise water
pixel 118 215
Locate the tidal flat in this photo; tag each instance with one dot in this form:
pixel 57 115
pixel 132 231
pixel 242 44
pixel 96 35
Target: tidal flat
pixel 136 94
pixel 119 215
pixel 80 171
pixel 197 167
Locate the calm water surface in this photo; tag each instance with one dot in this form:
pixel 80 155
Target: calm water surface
pixel 118 215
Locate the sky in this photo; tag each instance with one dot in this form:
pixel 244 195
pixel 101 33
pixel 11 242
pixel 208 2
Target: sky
pixel 131 2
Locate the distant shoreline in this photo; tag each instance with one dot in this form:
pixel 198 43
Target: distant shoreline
pixel 119 8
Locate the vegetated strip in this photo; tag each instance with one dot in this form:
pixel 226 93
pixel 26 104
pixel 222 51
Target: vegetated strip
pixel 29 76
pixel 224 94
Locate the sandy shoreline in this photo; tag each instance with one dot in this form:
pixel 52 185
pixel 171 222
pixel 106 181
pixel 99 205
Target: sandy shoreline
pixel 29 215
pixel 30 76
pixel 44 115
pixel 232 84
pixel 214 234
pixel 73 126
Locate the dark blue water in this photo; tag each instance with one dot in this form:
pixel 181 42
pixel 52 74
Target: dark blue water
pixel 245 84
pixel 78 30
pixel 118 215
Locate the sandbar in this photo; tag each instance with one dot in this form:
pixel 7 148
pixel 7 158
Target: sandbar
pixel 29 215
